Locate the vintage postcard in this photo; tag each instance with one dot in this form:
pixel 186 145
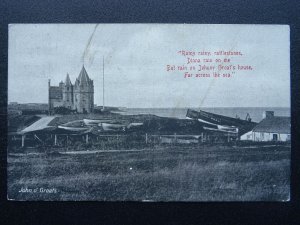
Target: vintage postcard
pixel 148 112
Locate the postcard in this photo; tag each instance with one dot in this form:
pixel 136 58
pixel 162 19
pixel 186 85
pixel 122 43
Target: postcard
pixel 148 112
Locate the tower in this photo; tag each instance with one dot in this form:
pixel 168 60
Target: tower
pixel 68 93
pixel 83 93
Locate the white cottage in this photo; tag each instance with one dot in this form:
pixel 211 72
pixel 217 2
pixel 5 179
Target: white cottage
pixel 271 128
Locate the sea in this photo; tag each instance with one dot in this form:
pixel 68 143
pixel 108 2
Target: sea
pixel 256 113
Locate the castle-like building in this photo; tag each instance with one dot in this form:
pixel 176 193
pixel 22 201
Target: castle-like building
pixel 78 97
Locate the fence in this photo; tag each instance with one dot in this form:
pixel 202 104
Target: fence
pixel 118 140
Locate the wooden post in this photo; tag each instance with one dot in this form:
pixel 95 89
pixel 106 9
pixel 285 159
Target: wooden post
pixel 202 137
pixel 117 141
pixel 146 138
pixel 175 137
pixel 23 141
pixel 228 139
pixel 87 139
pixel 55 139
pixel 67 140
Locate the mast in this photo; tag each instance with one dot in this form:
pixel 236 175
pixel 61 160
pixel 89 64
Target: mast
pixel 103 84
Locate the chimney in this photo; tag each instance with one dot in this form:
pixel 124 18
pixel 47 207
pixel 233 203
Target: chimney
pixel 268 114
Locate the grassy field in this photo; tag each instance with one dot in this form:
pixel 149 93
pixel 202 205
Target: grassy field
pixel 170 173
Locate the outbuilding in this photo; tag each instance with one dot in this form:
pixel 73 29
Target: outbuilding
pixel 271 128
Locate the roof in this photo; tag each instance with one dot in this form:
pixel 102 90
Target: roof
pixel 39 125
pixel 275 124
pixel 68 81
pixel 83 77
pixel 55 92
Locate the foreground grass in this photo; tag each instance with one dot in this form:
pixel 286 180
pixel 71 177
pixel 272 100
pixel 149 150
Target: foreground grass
pixel 169 174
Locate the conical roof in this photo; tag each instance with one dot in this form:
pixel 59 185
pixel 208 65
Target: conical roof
pixel 68 81
pixel 83 77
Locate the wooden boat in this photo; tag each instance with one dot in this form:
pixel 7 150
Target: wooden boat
pixel 132 125
pixel 77 125
pixel 91 122
pixel 113 126
pixel 220 130
pixel 223 123
pixel 215 118
pixel 74 128
pixel 220 127
pixel 232 129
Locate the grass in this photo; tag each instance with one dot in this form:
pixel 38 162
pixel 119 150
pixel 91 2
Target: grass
pixel 170 173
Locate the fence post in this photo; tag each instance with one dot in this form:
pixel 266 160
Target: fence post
pixel 55 139
pixel 228 139
pixel 87 139
pixel 146 138
pixel 23 140
pixel 202 137
pixel 175 137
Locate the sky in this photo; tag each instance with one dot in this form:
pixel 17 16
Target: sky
pixel 136 57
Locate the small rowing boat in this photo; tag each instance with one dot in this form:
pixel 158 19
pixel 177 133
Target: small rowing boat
pixel 77 125
pixel 112 126
pixel 74 128
pixel 132 125
pixel 91 122
pixel 222 123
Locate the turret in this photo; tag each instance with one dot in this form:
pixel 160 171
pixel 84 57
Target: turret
pixel 68 93
pixel 61 85
pixel 83 93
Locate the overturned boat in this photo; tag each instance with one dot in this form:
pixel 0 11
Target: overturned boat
pixel 93 122
pixel 113 126
pixel 77 125
pixel 222 123
pixel 133 125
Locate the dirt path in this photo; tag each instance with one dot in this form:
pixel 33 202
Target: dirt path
pixel 85 152
pixel 99 151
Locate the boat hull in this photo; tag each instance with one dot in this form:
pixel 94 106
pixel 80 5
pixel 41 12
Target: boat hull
pixel 223 123
pixel 132 125
pixel 91 122
pixel 74 128
pixel 112 127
